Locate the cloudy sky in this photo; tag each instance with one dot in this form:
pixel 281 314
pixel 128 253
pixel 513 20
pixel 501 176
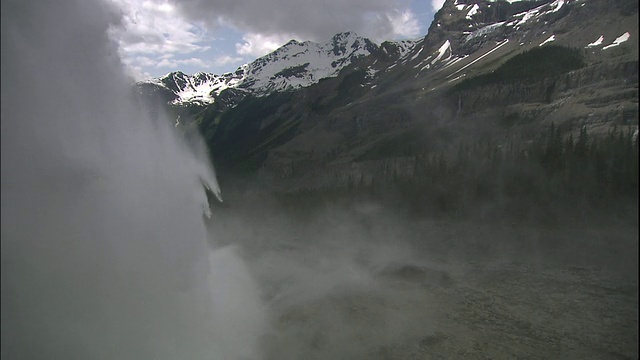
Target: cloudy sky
pixel 159 36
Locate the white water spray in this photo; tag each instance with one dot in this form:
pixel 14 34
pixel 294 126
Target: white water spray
pixel 104 252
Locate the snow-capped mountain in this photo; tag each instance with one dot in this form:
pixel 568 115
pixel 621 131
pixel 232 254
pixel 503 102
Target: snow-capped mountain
pixel 466 31
pixel 200 88
pixel 470 37
pixel 292 66
pixel 464 37
pixel 409 97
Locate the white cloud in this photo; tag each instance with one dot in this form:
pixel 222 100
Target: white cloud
pixel 226 59
pixel 142 61
pixel 176 63
pixel 137 73
pixel 154 27
pixel 152 33
pixel 437 4
pixel 256 44
pixel 166 46
pixel 404 23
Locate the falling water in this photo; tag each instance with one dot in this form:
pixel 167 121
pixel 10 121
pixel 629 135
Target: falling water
pixel 104 251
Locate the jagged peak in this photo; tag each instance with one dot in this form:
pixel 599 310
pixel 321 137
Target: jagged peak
pixel 349 37
pixel 292 42
pixel 291 66
pixel 173 74
pixel 344 35
pixel 297 64
pixel 202 73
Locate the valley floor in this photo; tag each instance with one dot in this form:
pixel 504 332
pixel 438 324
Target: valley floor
pixel 354 285
pixel 505 311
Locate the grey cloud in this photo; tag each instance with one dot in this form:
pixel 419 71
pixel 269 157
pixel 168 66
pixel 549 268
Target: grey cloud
pixel 308 19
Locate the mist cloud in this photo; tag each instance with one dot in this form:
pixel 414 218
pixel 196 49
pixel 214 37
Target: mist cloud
pixel 104 251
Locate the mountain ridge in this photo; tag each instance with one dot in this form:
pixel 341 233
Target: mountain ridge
pixel 292 66
pixel 405 99
pixel 459 30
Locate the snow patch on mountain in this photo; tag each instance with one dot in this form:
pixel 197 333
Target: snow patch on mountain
pixel 597 42
pixel 498 46
pixel 483 31
pixel 550 39
pixel 405 48
pixel 557 5
pixel 473 11
pixel 619 40
pixel 535 13
pixel 442 50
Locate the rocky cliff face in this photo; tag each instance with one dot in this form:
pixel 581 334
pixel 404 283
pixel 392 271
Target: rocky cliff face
pixel 596 96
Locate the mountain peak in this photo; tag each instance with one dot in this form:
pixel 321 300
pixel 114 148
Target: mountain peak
pixel 292 42
pixel 293 65
pixel 341 36
pixel 463 33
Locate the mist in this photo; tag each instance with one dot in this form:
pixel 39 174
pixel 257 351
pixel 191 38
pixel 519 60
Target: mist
pixel 360 279
pixel 104 248
pixel 111 249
